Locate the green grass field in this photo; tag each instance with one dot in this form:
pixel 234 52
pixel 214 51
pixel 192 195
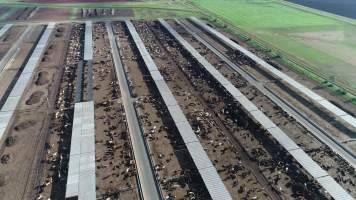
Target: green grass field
pixel 323 44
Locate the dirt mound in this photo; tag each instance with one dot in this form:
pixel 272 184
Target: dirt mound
pixel 42 78
pixel 44 59
pixel 58 35
pixel 34 98
pixel 60 29
pixel 49 51
pixel 5 159
pixel 25 125
pixel 10 141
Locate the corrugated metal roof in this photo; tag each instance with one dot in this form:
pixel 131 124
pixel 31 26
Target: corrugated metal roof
pixel 87 180
pixel 211 178
pixel 72 188
pixel 169 99
pixel 75 146
pixel 349 119
pixel 283 139
pixel 262 119
pixel 10 104
pixel 4 29
pixel 199 156
pixel 233 91
pixel 246 104
pixel 81 170
pixel 18 89
pixel 88 44
pixel 186 131
pixel 176 114
pixel 289 80
pixel 87 162
pixel 221 79
pixel 311 94
pixel 4 118
pixel 87 144
pixel 156 76
pixel 334 189
pixel 332 108
pixel 311 166
pixel 23 79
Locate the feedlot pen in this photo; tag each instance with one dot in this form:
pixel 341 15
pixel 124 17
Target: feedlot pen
pixel 206 130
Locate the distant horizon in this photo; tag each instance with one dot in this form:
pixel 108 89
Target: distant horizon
pixel 345 8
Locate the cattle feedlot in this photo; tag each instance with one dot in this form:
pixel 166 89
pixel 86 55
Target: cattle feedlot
pixel 112 107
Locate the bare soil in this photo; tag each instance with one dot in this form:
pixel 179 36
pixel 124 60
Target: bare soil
pixel 12 68
pixel 174 168
pixel 8 39
pixel 30 125
pixel 52 178
pixel 296 131
pixel 34 152
pixel 51 14
pixel 115 166
pixel 21 13
pixel 254 142
pixel 42 78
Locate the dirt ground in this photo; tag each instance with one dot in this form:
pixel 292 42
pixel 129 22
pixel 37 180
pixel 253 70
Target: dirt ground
pixel 35 153
pixel 199 115
pixel 338 128
pixel 20 153
pixel 9 38
pixel 12 68
pixel 297 132
pixel 51 14
pixel 344 174
pixel 266 153
pixel 115 165
pixel 53 175
pixel 30 126
pixel 21 13
pixel 173 166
